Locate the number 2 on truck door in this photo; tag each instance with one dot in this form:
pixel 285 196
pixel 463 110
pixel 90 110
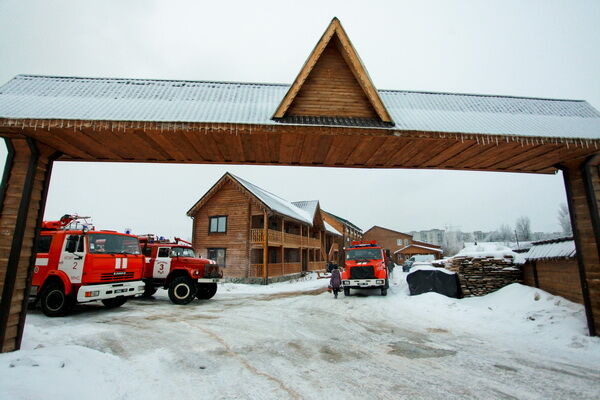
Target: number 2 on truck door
pixel 72 257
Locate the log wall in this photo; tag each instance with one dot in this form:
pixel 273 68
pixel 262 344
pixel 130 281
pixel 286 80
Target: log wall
pixel 229 201
pixel 23 197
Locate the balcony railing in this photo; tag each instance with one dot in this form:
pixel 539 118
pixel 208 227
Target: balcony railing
pixel 278 238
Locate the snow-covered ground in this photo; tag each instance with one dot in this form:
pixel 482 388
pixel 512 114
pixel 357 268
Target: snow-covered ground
pixel 293 340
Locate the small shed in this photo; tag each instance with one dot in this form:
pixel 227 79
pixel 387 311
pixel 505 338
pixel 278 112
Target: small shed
pixel 551 265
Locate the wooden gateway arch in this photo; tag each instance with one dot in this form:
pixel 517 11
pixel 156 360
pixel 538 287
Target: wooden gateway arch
pixel 331 116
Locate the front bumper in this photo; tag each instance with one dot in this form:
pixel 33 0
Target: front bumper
pixel 208 280
pixel 363 283
pixel 109 291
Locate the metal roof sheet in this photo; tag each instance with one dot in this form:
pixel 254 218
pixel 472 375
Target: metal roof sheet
pixel 49 97
pixel 560 248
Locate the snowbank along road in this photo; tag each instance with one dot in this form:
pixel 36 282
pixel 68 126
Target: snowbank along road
pixel 294 341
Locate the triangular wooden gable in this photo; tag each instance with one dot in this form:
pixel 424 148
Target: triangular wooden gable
pixel 227 177
pixel 333 83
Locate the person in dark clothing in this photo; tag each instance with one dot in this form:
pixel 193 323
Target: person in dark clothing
pixel 336 281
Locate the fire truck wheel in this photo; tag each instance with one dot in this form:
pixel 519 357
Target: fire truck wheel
pixel 149 291
pixel 384 291
pixel 346 291
pixel 206 290
pixel 182 290
pixel 114 303
pixel 54 301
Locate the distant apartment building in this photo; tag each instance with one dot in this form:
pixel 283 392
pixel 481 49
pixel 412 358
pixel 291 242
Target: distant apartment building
pixel 432 236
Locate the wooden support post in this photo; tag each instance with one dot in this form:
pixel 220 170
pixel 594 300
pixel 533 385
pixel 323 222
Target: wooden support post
pixel 301 247
pixel 22 201
pixel 282 247
pixel 582 182
pixel 265 247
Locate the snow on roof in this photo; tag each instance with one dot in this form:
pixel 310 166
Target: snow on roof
pixel 275 202
pixel 548 249
pixel 51 97
pixel 512 245
pixel 310 206
pixel 331 229
pixel 422 247
pixel 490 250
pixel 428 267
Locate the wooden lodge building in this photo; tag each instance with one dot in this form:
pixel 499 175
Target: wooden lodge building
pixel 349 233
pixel 401 245
pixel 256 235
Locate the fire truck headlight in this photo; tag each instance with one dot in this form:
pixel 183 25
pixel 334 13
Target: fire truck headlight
pixel 92 293
pixel 346 283
pixel 379 282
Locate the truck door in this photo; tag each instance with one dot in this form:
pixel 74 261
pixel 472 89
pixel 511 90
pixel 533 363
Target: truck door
pixel 72 257
pixel 162 263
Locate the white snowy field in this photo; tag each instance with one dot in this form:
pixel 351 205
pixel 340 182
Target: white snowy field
pixel 293 340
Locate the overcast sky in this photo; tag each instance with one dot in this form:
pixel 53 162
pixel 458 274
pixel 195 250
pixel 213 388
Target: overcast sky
pixel 521 48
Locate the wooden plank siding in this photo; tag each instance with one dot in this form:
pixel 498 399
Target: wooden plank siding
pixel 24 195
pixel 559 277
pixel 584 208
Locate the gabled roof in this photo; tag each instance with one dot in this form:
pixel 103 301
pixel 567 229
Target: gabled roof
pixel 268 199
pixel 420 247
pixel 386 229
pixel 107 99
pixel 315 86
pixel 344 221
pixel 331 229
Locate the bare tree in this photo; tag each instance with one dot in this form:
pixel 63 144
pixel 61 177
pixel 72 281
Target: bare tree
pixel 564 219
pixel 523 228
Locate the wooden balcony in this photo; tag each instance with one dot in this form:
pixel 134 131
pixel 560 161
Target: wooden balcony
pixel 278 238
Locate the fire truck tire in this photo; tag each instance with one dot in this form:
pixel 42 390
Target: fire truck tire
pixel 346 291
pixel 114 303
pixel 54 301
pixel 384 291
pixel 149 291
pixel 206 290
pixel 182 290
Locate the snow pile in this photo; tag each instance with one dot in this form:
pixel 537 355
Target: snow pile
pixel 490 250
pixel 428 267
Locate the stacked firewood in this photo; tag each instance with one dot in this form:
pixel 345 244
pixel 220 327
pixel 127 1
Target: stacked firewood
pixel 480 276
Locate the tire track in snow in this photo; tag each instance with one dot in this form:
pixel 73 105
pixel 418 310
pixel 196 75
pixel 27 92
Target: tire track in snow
pixel 245 363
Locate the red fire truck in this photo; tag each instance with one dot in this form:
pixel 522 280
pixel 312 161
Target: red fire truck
pixel 175 267
pixel 77 264
pixel 367 266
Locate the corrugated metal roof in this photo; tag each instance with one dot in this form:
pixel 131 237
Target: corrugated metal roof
pixel 47 97
pixel 310 206
pixel 558 248
pixel 275 202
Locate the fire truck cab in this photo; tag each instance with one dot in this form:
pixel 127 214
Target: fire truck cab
pixel 77 265
pixel 175 267
pixel 366 267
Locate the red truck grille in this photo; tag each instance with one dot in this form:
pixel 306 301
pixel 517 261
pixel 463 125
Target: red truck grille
pixel 112 276
pixel 362 272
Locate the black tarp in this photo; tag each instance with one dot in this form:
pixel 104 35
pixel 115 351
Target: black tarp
pixel 424 281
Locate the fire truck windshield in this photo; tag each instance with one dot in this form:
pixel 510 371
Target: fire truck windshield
pixel 182 252
pixel 363 254
pixel 107 243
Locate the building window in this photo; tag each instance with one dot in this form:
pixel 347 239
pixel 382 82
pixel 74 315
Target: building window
pixel 218 254
pixel 399 242
pixel 218 224
pixel 405 242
